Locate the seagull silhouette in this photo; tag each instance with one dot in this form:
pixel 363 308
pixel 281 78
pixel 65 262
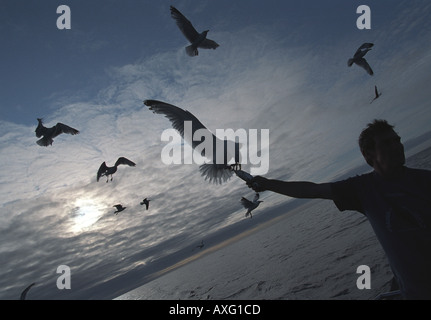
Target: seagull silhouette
pixel 377 94
pixel 200 246
pixel 249 205
pixel 24 293
pixel 359 59
pixel 119 208
pixel 146 202
pixel 50 133
pixel 197 40
pixel 218 169
pixel 104 170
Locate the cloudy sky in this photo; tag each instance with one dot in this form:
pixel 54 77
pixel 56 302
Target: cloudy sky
pixel 281 66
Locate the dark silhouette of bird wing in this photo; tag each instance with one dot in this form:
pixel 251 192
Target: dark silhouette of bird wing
pixel 366 45
pixel 208 44
pixel 360 53
pixel 214 171
pixel 50 133
pixel 146 202
pixel 364 64
pixel 62 128
pixel 184 25
pixel 102 169
pixel 125 161
pixel 40 129
pixel 119 207
pixel 376 92
pixel 24 293
pixel 177 116
pixel 246 203
pixel 362 50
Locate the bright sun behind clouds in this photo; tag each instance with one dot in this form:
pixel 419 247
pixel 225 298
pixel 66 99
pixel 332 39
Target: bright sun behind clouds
pixel 86 213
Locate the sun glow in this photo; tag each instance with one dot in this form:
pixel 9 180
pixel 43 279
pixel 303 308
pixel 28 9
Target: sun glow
pixel 86 213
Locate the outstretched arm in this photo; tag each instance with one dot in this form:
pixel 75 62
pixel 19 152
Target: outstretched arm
pixel 295 189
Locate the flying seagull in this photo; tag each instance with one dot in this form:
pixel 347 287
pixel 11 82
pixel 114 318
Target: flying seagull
pixel 119 208
pixel 200 246
pixel 146 202
pixel 217 170
pixel 197 40
pixel 104 170
pixel 377 94
pixel 24 293
pixel 50 133
pixel 249 205
pixel 359 59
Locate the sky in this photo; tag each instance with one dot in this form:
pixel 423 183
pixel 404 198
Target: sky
pixel 281 66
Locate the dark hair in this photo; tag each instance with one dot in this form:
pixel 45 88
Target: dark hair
pixel 366 138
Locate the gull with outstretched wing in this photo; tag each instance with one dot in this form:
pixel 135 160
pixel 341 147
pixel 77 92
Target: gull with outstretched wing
pixel 218 169
pixel 50 133
pixel 250 205
pixel 359 59
pixel 197 40
pixel 104 170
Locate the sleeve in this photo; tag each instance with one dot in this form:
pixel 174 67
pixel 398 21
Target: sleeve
pixel 346 194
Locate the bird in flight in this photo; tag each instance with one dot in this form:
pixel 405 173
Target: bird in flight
pixel 50 133
pixel 24 293
pixel 104 170
pixel 219 168
pixel 146 202
pixel 359 59
pixel 199 246
pixel 377 94
pixel 119 208
pixel 197 40
pixel 250 205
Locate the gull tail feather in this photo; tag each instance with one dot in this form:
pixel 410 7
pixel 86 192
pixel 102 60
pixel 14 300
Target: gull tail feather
pixel 192 51
pixel 215 173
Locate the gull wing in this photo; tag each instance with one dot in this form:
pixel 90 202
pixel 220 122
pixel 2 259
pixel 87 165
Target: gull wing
pixel 376 92
pixel 366 45
pixel 24 293
pixel 62 128
pixel 40 130
pixel 184 24
pixel 246 203
pixel 177 116
pixel 125 161
pixel 208 44
pixel 364 64
pixel 363 49
pixel 214 171
pixel 102 169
